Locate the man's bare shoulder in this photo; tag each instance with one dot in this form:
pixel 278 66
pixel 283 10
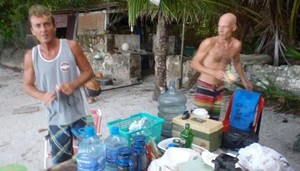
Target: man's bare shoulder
pixel 207 42
pixel 210 40
pixel 75 47
pixel 28 54
pixel 236 42
pixel 28 60
pixel 72 43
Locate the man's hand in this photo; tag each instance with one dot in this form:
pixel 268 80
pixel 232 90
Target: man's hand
pixel 248 85
pixel 219 74
pixel 65 88
pixel 48 97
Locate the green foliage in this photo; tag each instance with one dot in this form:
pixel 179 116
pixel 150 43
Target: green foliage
pixel 292 53
pixel 6 31
pixel 174 10
pixel 13 18
pixel 275 24
pixel 287 99
pixel 249 46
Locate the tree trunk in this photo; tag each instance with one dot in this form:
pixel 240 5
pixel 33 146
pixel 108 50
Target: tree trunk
pixel 160 54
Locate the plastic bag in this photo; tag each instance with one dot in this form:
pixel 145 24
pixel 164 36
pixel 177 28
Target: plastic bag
pixel 261 158
pixel 137 125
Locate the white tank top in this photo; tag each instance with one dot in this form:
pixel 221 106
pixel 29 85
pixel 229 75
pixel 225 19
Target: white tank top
pixel 64 109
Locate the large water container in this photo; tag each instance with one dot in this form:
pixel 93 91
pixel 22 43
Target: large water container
pixel 170 104
pixel 91 151
pixel 112 144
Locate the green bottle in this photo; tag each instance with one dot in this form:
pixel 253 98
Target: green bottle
pixel 187 136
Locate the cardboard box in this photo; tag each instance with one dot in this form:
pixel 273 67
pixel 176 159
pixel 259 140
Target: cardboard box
pixel 207 133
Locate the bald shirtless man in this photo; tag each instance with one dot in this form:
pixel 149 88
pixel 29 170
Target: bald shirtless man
pixel 211 60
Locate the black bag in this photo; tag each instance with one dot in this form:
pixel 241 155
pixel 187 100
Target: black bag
pixel 225 162
pixel 235 138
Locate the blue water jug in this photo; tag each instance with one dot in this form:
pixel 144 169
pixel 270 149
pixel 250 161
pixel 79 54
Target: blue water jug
pixel 139 155
pixel 170 104
pixel 112 144
pixel 91 151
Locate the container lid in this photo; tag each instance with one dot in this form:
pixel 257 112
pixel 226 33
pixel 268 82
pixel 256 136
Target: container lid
pixel 139 138
pixel 139 141
pixel 114 130
pixel 87 131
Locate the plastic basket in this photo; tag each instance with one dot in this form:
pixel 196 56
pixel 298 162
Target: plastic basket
pixel 151 128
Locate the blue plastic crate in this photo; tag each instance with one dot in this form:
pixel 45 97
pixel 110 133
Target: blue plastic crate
pixel 152 126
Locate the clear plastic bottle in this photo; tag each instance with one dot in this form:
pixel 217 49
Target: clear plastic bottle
pixel 139 155
pixel 91 151
pixel 124 161
pixel 112 144
pixel 170 104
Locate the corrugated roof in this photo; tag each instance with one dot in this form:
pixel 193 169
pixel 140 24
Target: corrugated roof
pixel 103 6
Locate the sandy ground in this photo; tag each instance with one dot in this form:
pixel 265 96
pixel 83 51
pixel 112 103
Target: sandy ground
pixel 22 116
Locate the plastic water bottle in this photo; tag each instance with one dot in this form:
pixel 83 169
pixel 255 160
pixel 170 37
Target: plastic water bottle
pixel 91 151
pixel 124 161
pixel 113 143
pixel 171 104
pixel 139 155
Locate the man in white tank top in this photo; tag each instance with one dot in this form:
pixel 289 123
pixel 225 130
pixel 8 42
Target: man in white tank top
pixel 51 76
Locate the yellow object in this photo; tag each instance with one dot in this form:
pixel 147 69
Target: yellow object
pixel 99 75
pixel 93 84
pixel 230 76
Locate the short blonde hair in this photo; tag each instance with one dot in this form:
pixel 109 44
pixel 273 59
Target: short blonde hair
pixel 40 11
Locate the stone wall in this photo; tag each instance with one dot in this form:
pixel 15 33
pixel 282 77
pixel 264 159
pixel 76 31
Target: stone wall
pixel 127 66
pixel 123 66
pixel 12 57
pixel 99 50
pixel 285 77
pixel 106 56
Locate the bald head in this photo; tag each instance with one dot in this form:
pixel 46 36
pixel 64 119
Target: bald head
pixel 228 21
pixel 229 17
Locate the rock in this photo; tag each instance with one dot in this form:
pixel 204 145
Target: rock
pixel 258 59
pixel 30 41
pixel 296 145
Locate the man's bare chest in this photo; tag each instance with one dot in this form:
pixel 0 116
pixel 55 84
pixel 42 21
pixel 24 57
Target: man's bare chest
pixel 221 54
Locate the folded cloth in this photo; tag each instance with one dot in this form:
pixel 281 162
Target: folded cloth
pixel 172 157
